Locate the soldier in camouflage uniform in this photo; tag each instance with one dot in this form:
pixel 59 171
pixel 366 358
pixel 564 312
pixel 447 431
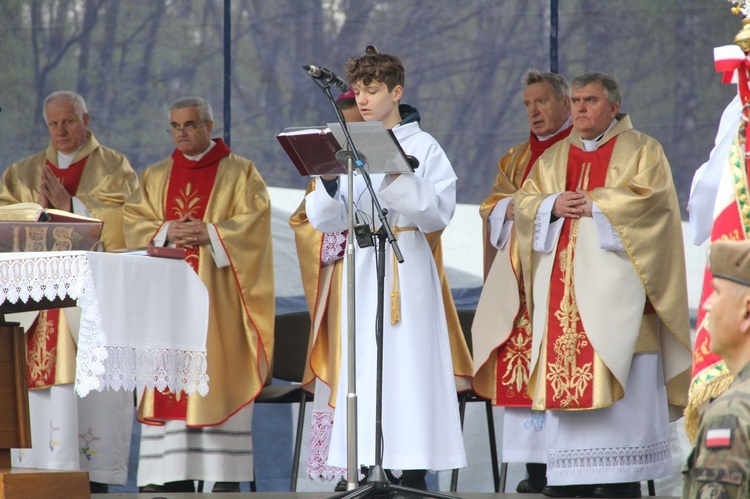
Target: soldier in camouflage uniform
pixel 719 465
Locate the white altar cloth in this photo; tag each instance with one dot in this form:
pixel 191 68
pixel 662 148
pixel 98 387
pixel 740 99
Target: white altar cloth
pixel 143 319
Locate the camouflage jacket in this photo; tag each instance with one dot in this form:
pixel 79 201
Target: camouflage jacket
pixel 719 465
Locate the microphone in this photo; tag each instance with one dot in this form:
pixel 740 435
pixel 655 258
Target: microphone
pixel 326 75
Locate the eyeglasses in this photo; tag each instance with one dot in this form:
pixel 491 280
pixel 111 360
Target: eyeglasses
pixel 189 127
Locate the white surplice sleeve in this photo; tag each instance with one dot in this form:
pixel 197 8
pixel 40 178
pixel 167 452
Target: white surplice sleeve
pixel 79 208
pixel 546 232
pixel 500 228
pixel 609 238
pixel 219 254
pixel 326 213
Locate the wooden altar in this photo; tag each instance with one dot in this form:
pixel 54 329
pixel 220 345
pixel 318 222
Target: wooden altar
pixel 15 428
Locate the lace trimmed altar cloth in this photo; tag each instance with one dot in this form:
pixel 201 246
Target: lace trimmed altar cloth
pixel 143 319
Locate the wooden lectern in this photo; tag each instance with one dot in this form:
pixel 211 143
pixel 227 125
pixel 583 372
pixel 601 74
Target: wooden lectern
pixel 15 427
pixel 28 227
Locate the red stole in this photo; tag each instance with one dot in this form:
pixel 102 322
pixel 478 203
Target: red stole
pixel 514 356
pixel 570 356
pixel 71 176
pixel 41 340
pixel 188 193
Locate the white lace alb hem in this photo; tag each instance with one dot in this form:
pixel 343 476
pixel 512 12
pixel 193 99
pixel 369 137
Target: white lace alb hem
pixel 320 440
pixel 605 460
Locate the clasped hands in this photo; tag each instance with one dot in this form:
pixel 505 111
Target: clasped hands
pixel 52 193
pixel 188 232
pixel 573 204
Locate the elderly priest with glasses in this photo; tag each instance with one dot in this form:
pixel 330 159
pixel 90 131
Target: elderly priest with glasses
pixel 213 203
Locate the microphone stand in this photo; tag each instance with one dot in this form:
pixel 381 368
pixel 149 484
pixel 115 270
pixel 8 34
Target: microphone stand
pixel 377 481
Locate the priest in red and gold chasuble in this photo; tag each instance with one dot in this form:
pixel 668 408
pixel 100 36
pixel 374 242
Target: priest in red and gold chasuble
pixel 501 374
pixel 213 203
pixel 99 178
pixel 501 332
pixel 574 365
pixel 228 192
pixel 609 310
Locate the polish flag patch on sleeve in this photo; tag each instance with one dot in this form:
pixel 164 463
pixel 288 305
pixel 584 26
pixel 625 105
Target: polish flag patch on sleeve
pixel 718 437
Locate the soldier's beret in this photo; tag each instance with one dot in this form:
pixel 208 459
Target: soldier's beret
pixel 730 260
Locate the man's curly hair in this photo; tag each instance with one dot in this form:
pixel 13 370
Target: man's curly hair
pixel 374 66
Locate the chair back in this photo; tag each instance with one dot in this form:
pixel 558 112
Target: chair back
pixel 291 338
pixel 466 318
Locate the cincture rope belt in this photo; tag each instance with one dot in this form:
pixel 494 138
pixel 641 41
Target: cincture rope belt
pixel 395 298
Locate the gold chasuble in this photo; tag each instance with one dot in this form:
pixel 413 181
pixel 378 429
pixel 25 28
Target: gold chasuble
pixel 323 287
pixel 241 296
pixel 101 179
pixel 581 351
pixel 502 337
pixel 105 183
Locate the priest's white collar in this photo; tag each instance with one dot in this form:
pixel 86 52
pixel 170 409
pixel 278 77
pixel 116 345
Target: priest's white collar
pixel 199 156
pixel 545 137
pixel 593 144
pixel 65 160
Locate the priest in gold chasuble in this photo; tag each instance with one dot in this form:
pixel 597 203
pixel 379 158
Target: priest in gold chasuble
pixel 214 204
pixel 75 173
pixel 609 310
pixel 501 333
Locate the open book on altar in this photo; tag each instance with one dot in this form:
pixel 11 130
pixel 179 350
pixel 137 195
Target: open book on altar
pixel 318 150
pixel 30 227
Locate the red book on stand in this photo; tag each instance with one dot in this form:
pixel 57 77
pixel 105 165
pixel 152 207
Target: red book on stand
pixel 312 150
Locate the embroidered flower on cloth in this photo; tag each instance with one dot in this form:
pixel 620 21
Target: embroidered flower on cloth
pixel 334 245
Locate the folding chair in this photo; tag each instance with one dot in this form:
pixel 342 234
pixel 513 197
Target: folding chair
pixel 466 317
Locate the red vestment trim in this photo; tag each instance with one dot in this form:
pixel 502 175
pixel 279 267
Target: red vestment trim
pixel 514 355
pixel 71 176
pixel 190 186
pixel 538 147
pixel 569 371
pixel 41 349
pixel 188 193
pixel 41 339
